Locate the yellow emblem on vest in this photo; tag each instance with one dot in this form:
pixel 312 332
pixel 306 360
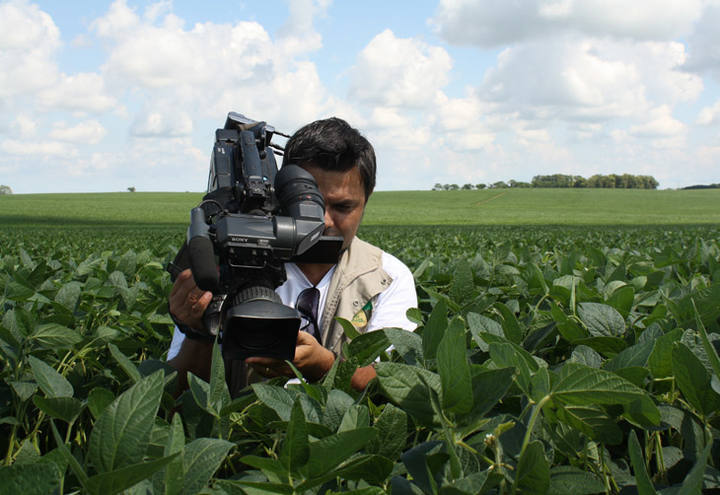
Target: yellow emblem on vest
pixel 359 320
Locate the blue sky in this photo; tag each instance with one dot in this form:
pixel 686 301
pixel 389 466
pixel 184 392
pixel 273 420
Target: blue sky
pixel 100 96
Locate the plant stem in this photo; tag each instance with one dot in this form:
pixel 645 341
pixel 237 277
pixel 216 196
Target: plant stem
pixel 531 424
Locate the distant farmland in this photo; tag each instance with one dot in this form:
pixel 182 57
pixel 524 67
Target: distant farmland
pixel 487 207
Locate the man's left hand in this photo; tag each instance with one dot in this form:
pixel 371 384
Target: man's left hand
pixel 311 358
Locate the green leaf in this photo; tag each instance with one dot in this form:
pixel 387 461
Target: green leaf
pixel 642 479
pixel 506 355
pixel 434 330
pixel 693 380
pixel 581 385
pixel 98 399
pixel 636 355
pixel 480 324
pixel 201 458
pixel 357 416
pixel 338 402
pixel 329 452
pixel 568 480
pixel 68 295
pixel 55 336
pixel 120 436
pixel 511 327
pixel 42 478
pixel 174 472
pixel 24 390
pixel 533 471
pixel 622 300
pixel 601 320
pixel 372 468
pixel 593 422
pixel 127 366
pixel 403 386
pixel 391 426
pixel 660 360
pixel 295 450
pixel 348 328
pixel 463 287
pixel 367 347
pixel 52 383
pixel 693 482
pixel 65 408
pixel 454 369
pixel 219 395
pixel 116 481
pixel 276 398
pixel 488 387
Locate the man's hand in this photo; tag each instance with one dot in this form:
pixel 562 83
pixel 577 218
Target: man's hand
pixel 311 358
pixel 188 301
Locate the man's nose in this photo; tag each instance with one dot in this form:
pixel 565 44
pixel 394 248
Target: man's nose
pixel 328 220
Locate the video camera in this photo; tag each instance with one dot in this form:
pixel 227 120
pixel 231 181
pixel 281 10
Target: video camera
pixel 252 220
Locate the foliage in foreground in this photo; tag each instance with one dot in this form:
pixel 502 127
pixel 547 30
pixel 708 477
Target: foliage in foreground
pixel 545 361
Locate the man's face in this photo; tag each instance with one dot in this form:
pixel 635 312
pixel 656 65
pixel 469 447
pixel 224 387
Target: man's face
pixel 344 195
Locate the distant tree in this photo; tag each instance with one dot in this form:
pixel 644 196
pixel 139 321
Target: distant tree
pixel 499 185
pixel 437 187
pixel 5 189
pixel 453 187
pixel 579 181
pixel 131 188
pixel 467 186
pixel 480 186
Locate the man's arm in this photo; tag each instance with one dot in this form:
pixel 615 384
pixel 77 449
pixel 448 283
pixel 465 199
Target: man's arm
pixel 187 304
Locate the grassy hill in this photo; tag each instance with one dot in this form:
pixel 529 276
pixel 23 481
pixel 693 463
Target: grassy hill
pixel 487 207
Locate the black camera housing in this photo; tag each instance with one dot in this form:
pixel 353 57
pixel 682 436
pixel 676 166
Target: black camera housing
pixel 252 220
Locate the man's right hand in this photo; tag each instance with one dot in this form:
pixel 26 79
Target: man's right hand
pixel 188 301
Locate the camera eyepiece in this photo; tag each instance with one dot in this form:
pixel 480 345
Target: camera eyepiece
pixel 298 193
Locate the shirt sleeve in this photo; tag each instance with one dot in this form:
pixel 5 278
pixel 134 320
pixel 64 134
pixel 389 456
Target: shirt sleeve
pixel 392 304
pixel 175 344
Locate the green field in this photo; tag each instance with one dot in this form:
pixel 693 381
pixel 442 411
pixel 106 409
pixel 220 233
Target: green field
pixel 488 207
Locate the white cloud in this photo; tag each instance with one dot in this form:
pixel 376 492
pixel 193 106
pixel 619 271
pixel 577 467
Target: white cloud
pixel 82 91
pixel 28 40
pixel 399 72
pixel 704 55
pixel 660 124
pixel 87 132
pixel 588 79
pixel 25 126
pixel 498 22
pixel 33 147
pixel 159 123
pixel 709 115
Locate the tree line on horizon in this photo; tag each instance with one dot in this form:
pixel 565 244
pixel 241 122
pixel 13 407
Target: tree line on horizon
pixel 612 181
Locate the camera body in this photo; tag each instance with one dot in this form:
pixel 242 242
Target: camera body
pixel 252 220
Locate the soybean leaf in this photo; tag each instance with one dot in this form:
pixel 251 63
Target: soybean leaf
pixel 592 421
pixel 24 390
pixel 488 387
pixel 329 452
pixel 65 408
pixel 369 467
pixel 295 449
pixel 391 426
pixel 52 383
pixel 41 478
pixel 338 402
pixel 569 480
pixel 127 366
pixel 581 385
pixel 480 324
pixel 511 327
pixel 415 461
pixel 533 471
pixel 601 320
pixel 454 369
pixel 357 416
pixel 174 471
pixel 273 469
pixel 201 458
pixel 693 482
pixel 277 398
pixel 367 347
pixel 68 295
pixel 219 395
pixel 120 436
pixel 403 386
pixel 116 481
pixel 98 399
pixel 55 336
pixel 642 479
pixel 434 330
pixel 636 355
pixel 660 360
pixel 709 349
pixel 693 380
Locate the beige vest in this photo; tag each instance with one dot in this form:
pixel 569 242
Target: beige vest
pixel 358 279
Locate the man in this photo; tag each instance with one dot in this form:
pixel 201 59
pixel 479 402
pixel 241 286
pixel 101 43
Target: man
pixel 371 288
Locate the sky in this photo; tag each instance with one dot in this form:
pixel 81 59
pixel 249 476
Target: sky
pixel 100 96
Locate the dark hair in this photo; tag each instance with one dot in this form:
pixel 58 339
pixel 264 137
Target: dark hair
pixel 333 145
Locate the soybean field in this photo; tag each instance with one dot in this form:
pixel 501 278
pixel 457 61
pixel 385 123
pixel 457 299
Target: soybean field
pixel 566 343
